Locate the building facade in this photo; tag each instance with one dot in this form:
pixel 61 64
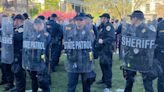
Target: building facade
pixel 18 6
pixel 76 5
pixel 149 7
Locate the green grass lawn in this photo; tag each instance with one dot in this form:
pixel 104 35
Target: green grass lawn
pixel 59 79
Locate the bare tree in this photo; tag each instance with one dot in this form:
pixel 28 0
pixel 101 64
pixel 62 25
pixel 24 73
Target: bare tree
pixel 118 8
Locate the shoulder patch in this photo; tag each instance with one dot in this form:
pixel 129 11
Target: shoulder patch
pixel 108 28
pixel 20 30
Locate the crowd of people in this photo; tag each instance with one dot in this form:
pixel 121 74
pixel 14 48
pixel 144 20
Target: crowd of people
pixel 35 46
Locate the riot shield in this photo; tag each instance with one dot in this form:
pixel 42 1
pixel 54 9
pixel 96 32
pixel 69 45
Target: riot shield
pixel 138 44
pixel 7 52
pixel 78 49
pixel 0 42
pixel 33 57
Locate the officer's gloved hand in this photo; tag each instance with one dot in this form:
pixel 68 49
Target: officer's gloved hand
pixel 125 75
pixel 124 72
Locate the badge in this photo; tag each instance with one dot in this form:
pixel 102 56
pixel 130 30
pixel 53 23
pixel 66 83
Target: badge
pixel 83 33
pixel 136 51
pixel 20 30
pixel 144 30
pixel 38 36
pixel 108 28
pixel 68 28
pixel 16 30
pixel 74 65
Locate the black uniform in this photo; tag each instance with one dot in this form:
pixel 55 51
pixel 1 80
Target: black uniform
pixel 118 33
pixel 35 47
pixel 79 58
pixel 3 80
pixel 56 42
pixel 19 72
pixel 159 53
pixel 105 52
pixel 7 51
pixel 95 30
pixel 129 74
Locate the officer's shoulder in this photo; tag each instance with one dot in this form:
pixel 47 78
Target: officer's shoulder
pixel 110 24
pixel 46 34
pixel 150 28
pixel 161 24
pixel 57 24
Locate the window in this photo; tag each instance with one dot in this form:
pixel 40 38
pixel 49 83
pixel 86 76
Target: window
pixel 147 7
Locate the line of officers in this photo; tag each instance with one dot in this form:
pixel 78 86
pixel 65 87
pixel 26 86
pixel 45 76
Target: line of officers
pixel 80 29
pixel 44 60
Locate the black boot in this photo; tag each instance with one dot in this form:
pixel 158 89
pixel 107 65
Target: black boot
pixel 3 82
pixel 8 87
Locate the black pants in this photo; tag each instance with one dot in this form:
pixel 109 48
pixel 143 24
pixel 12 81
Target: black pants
pixel 37 81
pixel 19 73
pixel 120 51
pixel 147 81
pixel 73 81
pixel 8 73
pixel 20 77
pixel 4 79
pixel 55 52
pixel 161 77
pixel 106 68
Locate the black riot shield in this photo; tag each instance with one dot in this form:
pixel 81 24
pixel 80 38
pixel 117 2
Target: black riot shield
pixel 138 44
pixel 7 51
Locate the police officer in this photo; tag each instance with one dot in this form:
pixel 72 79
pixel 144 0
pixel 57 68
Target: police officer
pixel 104 45
pixel 89 20
pixel 3 80
pixel 78 48
pixel 56 33
pixel 6 54
pixel 35 51
pixel 19 72
pixel 138 29
pixel 160 53
pixel 25 15
pixel 160 19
